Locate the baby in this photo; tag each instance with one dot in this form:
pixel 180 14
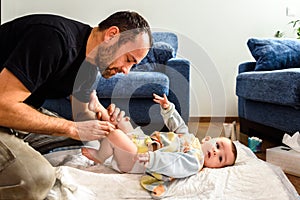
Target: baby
pixel 175 154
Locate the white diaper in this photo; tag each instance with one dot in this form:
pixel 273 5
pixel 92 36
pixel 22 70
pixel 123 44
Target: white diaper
pixel 138 168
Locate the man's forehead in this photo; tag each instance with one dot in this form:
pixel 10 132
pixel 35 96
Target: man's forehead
pixel 142 40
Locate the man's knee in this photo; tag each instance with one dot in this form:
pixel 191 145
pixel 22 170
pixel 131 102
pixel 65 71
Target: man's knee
pixel 42 182
pixel 35 185
pixel 42 179
pixel 28 176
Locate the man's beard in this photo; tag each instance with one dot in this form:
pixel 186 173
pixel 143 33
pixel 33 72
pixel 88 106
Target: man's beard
pixel 107 54
pixel 104 57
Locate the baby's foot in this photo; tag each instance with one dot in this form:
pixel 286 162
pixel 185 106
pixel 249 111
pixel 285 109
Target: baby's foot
pixel 91 154
pixel 94 104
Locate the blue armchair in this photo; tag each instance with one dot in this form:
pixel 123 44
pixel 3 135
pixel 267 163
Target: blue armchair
pixel 268 89
pixel 268 101
pixel 159 72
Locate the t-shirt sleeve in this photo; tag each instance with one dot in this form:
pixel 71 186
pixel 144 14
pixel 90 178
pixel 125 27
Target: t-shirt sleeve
pixel 86 81
pixel 36 57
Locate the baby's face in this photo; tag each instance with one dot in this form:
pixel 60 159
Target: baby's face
pixel 217 152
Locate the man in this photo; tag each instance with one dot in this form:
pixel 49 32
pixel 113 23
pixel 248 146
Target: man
pixel 43 57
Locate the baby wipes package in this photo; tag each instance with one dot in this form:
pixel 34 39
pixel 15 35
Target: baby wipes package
pixel 286 158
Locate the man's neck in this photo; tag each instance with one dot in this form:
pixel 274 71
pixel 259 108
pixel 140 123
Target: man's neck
pixel 95 39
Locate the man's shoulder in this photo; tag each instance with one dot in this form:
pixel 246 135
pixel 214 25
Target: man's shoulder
pixel 44 19
pixel 60 23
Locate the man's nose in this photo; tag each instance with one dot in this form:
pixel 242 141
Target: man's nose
pixel 126 69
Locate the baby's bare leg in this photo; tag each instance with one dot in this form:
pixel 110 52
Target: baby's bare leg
pixel 118 144
pixel 124 150
pixel 99 156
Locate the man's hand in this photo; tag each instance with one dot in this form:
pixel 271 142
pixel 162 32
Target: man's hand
pixel 115 113
pixel 92 130
pixel 163 101
pixel 112 114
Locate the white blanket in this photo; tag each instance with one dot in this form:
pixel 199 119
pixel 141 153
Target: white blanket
pixel 249 178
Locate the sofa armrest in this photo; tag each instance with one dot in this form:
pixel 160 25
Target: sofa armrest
pixel 178 71
pixel 247 67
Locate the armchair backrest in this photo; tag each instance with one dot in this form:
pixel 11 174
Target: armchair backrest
pixel 167 37
pixel 165 45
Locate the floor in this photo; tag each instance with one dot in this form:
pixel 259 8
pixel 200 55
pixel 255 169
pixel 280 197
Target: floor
pixel 215 129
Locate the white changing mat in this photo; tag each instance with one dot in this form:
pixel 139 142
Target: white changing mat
pixel 249 178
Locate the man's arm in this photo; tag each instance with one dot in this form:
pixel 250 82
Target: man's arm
pixel 18 115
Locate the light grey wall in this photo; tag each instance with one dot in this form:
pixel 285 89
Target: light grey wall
pixel 212 34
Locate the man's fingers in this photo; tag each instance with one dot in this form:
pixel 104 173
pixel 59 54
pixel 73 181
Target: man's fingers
pixel 98 115
pixel 93 130
pixel 117 115
pixel 105 125
pixel 120 115
pixel 114 114
pixel 111 108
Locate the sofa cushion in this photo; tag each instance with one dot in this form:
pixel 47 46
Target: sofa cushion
pixel 278 86
pixel 134 84
pixel 159 53
pixel 274 54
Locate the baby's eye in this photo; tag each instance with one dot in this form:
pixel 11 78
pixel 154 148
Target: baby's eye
pixel 217 145
pixel 220 158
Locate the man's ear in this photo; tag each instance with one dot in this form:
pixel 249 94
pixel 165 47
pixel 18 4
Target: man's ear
pixel 207 138
pixel 111 32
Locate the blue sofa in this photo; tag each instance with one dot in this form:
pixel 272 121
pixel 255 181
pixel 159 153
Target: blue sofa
pixel 268 89
pixel 161 71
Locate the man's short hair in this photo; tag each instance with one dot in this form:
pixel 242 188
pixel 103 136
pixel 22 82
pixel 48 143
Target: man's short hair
pixel 127 21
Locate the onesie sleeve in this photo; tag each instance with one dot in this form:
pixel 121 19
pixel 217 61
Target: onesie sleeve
pixel 86 81
pixel 175 164
pixel 173 120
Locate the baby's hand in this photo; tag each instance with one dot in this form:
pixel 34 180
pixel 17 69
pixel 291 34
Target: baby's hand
pixel 163 101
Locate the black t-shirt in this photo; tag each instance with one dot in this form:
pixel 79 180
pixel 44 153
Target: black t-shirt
pixel 45 53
